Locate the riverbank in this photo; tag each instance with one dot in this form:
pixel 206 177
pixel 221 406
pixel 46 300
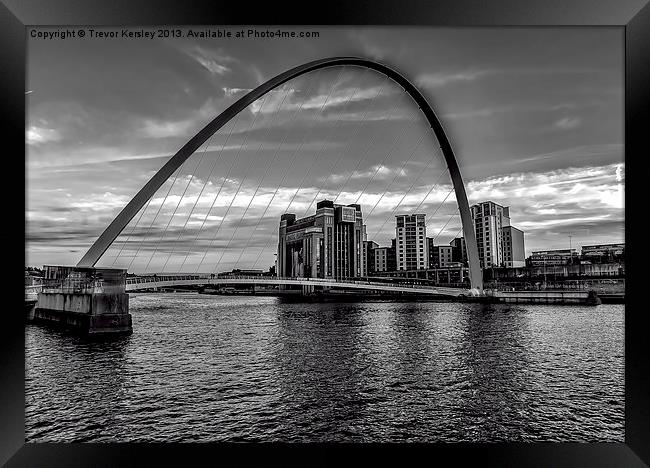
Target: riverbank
pixel 293 296
pixel 612 298
pixel 544 297
pixel 561 297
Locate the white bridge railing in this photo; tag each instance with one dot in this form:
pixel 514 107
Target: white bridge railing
pixel 266 279
pixel 132 283
pixel 161 281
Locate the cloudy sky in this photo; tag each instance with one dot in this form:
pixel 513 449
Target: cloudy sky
pixel 535 117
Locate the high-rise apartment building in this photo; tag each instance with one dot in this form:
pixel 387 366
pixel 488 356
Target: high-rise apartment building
pixel 328 244
pixel 499 244
pixel 410 238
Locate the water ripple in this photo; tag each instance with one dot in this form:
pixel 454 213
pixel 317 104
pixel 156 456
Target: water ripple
pixel 216 368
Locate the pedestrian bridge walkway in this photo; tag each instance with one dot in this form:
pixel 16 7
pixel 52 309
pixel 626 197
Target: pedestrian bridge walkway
pixel 149 282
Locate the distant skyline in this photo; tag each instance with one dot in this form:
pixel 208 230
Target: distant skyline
pixel 535 117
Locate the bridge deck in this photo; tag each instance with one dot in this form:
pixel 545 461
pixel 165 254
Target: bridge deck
pixel 149 282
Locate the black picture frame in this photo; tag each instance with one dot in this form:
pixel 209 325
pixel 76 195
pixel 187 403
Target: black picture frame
pixel 631 15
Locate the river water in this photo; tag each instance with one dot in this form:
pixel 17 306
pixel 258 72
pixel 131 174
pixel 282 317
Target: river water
pixel 224 368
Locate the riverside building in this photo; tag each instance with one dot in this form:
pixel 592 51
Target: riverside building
pixel 439 256
pixel 410 246
pixel 603 252
pixel 328 244
pixel 383 259
pixel 552 257
pixel 459 250
pixel 514 255
pixel 369 257
pixel 499 243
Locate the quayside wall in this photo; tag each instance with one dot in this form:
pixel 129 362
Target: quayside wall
pixel 544 297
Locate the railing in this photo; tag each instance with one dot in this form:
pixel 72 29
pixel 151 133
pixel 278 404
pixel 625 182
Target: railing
pixel 74 286
pixel 64 286
pixel 82 280
pixel 31 291
pixel 93 286
pixel 157 279
pixel 272 279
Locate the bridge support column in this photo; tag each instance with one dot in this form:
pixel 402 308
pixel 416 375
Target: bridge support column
pixel 91 301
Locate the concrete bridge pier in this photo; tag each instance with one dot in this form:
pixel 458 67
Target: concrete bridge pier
pixel 91 301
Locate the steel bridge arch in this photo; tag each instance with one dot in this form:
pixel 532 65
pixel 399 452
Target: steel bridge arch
pixel 138 201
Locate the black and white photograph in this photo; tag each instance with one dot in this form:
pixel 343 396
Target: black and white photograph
pixel 324 234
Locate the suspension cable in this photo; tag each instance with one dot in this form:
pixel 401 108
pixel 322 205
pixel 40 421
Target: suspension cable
pixel 279 185
pixel 257 114
pixel 207 215
pixel 443 227
pixel 394 210
pixel 363 157
pixel 342 153
pixel 397 174
pixel 178 172
pixel 132 231
pixel 161 240
pixel 304 178
pixel 379 166
pixel 250 202
pixel 181 231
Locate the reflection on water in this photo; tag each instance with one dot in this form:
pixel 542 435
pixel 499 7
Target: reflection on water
pixel 72 377
pixel 216 368
pixel 495 398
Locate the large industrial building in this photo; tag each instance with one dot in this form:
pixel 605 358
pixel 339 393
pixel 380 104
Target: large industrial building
pixel 328 244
